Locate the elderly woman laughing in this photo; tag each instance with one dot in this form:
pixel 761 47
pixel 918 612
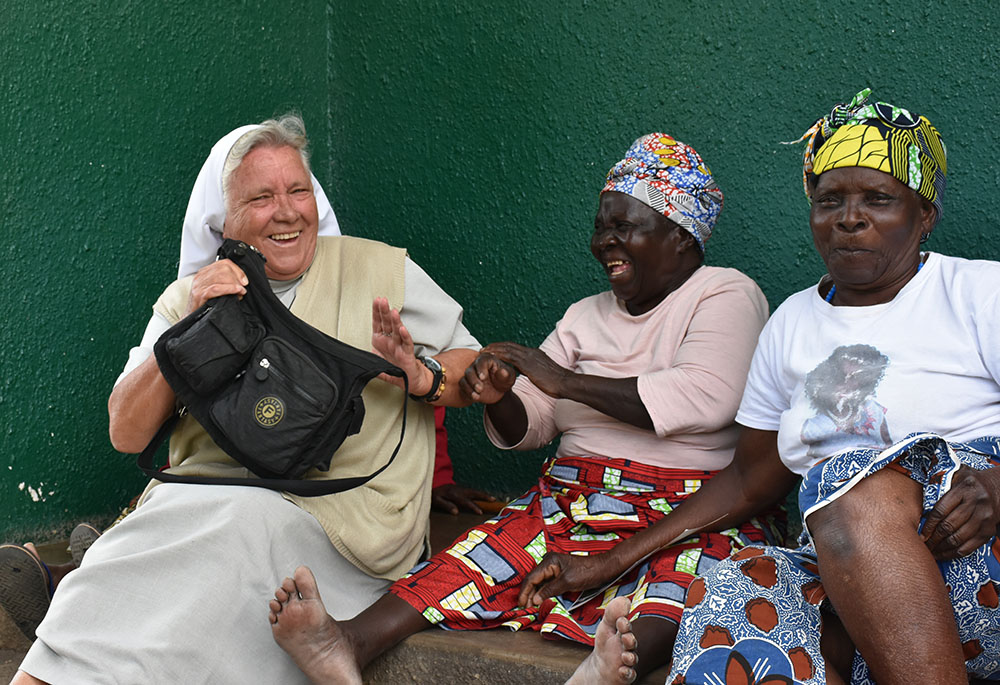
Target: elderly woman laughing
pixel 641 383
pixel 172 592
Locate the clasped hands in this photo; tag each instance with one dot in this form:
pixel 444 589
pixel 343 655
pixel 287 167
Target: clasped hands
pixel 494 371
pixel 486 380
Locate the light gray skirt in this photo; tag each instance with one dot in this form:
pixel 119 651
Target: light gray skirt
pixel 178 592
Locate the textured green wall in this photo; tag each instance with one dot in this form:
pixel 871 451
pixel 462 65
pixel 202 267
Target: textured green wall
pixel 479 138
pixel 476 134
pixel 109 111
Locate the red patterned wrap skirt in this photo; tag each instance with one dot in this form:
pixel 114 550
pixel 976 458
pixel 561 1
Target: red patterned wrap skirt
pixel 580 506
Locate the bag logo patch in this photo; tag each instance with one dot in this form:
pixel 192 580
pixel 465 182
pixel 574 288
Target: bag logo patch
pixel 269 411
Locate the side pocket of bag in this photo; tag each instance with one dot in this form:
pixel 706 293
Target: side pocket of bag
pixel 272 412
pixel 215 348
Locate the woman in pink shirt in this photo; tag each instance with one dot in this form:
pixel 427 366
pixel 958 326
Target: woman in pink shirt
pixel 641 384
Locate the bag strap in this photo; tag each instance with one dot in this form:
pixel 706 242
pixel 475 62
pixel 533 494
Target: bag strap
pixel 303 488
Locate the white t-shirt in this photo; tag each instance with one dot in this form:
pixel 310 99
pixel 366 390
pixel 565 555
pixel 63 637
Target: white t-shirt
pixel 833 378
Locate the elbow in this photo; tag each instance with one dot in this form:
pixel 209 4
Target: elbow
pixel 123 446
pixel 711 417
pixel 718 410
pixel 137 408
pixel 125 438
pixel 715 417
pixel 122 439
pixel 123 443
pixel 711 403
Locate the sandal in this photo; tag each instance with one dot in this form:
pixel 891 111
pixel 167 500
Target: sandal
pixel 25 588
pixel 80 540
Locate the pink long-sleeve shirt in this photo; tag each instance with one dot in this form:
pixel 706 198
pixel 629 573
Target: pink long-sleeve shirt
pixel 690 353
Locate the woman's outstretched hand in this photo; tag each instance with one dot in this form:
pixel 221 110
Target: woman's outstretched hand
pixel 967 516
pixel 392 342
pixel 558 574
pixel 487 379
pixel 533 363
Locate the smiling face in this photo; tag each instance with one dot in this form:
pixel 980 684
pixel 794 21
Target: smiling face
pixel 866 226
pixel 645 256
pixel 270 205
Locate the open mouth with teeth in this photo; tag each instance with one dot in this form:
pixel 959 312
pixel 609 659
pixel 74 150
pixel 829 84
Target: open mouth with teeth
pixel 283 237
pixel 617 267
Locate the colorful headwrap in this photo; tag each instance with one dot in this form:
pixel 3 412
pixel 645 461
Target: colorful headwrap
pixel 878 136
pixel 670 177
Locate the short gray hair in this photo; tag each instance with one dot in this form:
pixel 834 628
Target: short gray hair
pixel 288 129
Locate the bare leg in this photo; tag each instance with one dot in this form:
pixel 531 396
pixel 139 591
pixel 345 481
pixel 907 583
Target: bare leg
pixel 330 651
pixel 884 583
pixel 655 637
pixel 22 678
pixel 837 649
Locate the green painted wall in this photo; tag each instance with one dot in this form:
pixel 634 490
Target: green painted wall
pixel 476 134
pixel 109 110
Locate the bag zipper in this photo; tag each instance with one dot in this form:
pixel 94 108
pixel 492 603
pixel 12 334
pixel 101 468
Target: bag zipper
pixel 269 368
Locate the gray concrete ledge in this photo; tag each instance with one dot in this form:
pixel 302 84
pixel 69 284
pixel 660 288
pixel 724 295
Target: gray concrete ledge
pixel 498 657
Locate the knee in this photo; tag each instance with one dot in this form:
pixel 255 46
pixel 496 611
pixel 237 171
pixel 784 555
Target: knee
pixel 838 530
pixel 875 511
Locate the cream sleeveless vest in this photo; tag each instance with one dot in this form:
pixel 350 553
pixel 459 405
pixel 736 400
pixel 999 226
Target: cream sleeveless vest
pixel 380 527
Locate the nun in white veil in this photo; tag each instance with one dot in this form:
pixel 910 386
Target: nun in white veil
pixel 200 241
pixel 206 210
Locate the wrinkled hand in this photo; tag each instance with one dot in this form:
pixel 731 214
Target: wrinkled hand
pixel 558 574
pixel 215 280
pixel 967 516
pixel 451 498
pixel 533 363
pixel 487 379
pixel 392 342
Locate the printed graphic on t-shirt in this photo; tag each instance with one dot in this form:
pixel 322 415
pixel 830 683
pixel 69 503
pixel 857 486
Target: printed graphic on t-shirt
pixel 842 391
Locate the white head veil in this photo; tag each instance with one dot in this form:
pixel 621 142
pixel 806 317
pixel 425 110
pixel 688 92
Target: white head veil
pixel 206 211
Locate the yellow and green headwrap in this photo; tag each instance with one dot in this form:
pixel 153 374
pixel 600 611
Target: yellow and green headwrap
pixel 878 136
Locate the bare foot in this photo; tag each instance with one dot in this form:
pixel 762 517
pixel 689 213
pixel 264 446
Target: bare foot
pixel 301 627
pixel 614 658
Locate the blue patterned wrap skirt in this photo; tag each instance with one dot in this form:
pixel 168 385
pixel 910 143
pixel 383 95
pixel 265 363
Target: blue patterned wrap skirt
pixel 755 618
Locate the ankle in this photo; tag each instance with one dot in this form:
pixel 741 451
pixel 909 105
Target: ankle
pixel 358 642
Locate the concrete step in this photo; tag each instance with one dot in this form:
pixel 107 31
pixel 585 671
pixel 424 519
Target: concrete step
pixel 496 657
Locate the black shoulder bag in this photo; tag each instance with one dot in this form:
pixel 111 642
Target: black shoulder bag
pixel 278 395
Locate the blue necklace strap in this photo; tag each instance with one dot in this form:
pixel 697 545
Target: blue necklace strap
pixel 829 295
pixel 833 288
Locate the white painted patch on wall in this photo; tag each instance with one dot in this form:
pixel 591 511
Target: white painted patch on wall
pixel 36 494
